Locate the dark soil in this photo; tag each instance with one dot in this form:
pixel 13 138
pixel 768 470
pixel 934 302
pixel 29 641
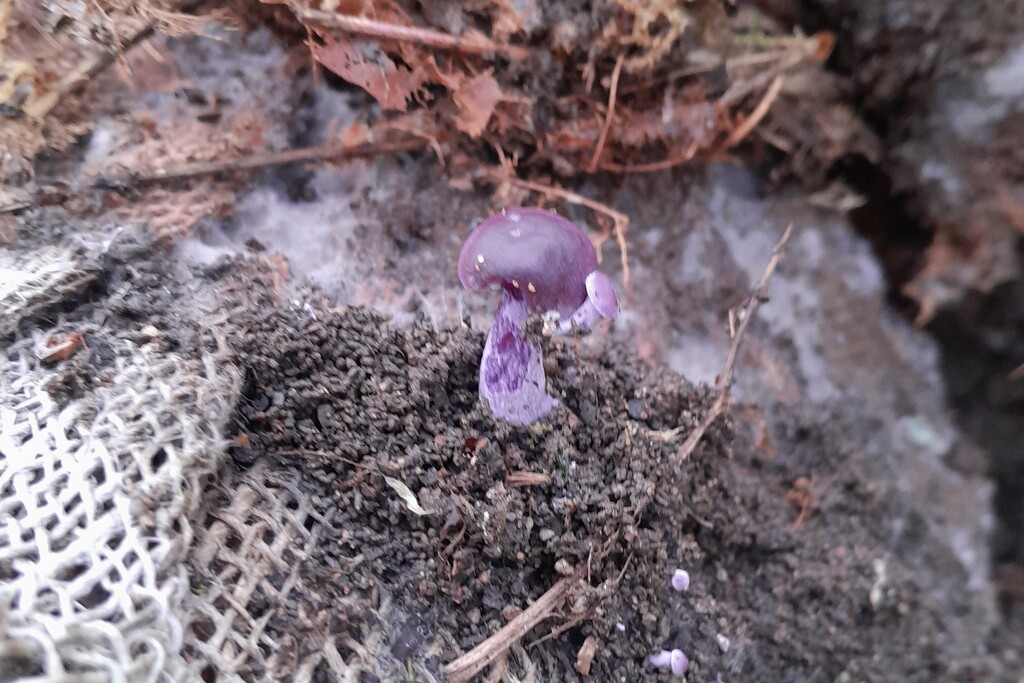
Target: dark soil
pixel 349 400
pixel 785 587
pixel 834 576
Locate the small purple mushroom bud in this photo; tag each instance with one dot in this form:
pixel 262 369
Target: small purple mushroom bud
pixel 680 580
pixel 601 303
pixel 544 264
pixel 661 659
pixel 679 663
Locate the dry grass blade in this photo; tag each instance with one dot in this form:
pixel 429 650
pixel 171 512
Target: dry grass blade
pixel 743 130
pixel 85 72
pixel 757 296
pixel 612 96
pixel 681 157
pixel 473 662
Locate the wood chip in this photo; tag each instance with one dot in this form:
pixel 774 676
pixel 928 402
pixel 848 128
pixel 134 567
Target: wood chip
pixel 519 479
pixel 585 657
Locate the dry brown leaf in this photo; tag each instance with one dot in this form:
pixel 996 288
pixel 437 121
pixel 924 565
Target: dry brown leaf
pixel 681 123
pixel 362 64
pixel 476 100
pixel 585 657
pixel 407 496
pixel 61 347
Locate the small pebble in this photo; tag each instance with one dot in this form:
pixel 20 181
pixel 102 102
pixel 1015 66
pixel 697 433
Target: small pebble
pixel 680 580
pixel 635 409
pixel 723 642
pixel 620 627
pixel 546 535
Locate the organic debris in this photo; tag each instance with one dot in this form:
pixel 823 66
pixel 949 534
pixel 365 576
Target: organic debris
pixel 58 348
pixel 49 50
pixel 621 90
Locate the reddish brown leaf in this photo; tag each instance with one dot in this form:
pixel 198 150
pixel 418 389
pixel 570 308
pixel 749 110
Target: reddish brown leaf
pixel 361 64
pixel 476 99
pixel 62 347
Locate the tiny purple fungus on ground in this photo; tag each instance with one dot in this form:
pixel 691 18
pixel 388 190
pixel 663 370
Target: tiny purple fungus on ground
pixel 675 660
pixel 542 263
pixel 679 662
pixel 680 580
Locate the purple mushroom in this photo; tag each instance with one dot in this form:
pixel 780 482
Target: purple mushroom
pixel 543 264
pixel 675 660
pixel 680 580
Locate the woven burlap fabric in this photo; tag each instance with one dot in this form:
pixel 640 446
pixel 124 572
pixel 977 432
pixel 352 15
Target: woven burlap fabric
pixel 131 547
pixel 98 492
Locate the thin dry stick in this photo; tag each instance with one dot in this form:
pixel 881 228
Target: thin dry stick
pixel 470 664
pixel 15 207
pixel 612 96
pixel 743 130
pixel 93 66
pixel 757 296
pixel 620 220
pixel 85 72
pixel 261 160
pixel 372 28
pixel 684 155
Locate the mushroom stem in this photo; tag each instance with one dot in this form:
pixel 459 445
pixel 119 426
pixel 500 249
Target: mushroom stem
pixel 512 368
pixel 585 317
pixel 601 302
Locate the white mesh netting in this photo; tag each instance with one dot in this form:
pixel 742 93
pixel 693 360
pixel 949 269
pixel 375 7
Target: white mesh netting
pixel 246 566
pixel 98 492
pixel 121 557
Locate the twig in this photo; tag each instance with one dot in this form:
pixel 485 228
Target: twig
pixel 93 66
pixel 470 664
pixel 612 96
pixel 520 479
pixel 15 207
pixel 757 296
pixel 620 220
pixel 373 28
pixel 261 160
pixel 743 130
pixel 1016 374
pixel 85 72
pixel 682 157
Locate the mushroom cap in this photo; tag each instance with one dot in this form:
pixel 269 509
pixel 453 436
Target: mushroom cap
pixel 534 255
pixel 680 580
pixel 601 293
pixel 679 662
